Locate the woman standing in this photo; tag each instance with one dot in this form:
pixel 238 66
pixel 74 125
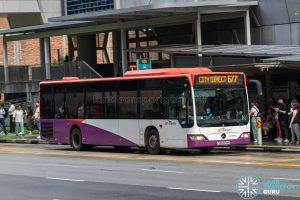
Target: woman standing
pixel 30 120
pixel 294 124
pixel 19 120
pixel 254 114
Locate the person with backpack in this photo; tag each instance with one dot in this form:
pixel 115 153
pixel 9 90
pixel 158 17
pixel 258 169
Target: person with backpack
pixel 283 118
pixel 2 118
pixel 294 123
pixel 254 112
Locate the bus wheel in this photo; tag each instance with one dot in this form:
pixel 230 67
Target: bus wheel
pixel 153 142
pixel 206 149
pixel 76 139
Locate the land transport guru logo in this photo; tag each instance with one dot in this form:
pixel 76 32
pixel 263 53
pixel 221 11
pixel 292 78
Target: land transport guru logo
pixel 249 187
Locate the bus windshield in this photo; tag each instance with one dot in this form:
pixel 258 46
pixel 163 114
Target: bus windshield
pixel 221 106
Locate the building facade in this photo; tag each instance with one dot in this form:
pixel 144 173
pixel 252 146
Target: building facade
pixel 109 28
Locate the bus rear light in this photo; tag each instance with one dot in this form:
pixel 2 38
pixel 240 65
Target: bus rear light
pixel 245 135
pixel 197 137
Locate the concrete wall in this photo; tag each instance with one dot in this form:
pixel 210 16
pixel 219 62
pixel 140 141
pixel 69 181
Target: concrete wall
pixel 132 3
pixel 22 13
pixel 279 24
pixel 50 8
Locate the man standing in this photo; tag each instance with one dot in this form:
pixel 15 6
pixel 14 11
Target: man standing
pixel 2 118
pixel 283 117
pixel 11 111
pixel 36 118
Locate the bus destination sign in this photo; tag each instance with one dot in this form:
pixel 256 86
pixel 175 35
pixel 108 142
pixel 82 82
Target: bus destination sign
pixel 228 79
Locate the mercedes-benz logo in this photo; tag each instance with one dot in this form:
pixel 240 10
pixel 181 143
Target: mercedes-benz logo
pixel 223 136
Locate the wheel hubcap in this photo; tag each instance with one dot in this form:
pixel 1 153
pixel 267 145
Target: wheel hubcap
pixel 153 141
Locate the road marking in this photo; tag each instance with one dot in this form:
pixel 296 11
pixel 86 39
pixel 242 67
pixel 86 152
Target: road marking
pixel 290 159
pixel 64 179
pixel 60 165
pixel 149 157
pixel 164 171
pixel 196 190
pixel 287 179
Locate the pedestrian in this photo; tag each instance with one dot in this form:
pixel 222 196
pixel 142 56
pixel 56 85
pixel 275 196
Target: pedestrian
pixel 294 123
pixel 2 118
pixel 11 111
pixel 30 120
pixel 19 120
pixel 254 111
pixel 273 105
pixel 283 118
pixel 269 123
pixel 36 118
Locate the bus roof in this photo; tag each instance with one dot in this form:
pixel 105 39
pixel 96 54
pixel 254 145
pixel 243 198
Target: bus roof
pixel 167 71
pixel 144 74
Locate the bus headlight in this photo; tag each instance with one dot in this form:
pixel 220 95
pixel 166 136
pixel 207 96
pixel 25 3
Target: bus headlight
pixel 197 137
pixel 245 135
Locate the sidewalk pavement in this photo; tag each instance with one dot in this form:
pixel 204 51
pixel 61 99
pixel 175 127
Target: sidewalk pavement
pixel 266 146
pixel 28 139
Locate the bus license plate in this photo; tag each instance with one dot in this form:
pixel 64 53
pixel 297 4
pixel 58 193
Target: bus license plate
pixel 223 143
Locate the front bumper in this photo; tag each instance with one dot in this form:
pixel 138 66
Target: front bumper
pixel 215 143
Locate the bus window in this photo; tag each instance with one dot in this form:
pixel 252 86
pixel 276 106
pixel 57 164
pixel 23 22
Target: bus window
pixel 110 97
pixel 128 105
pixel 151 104
pixel 94 101
pixel 127 101
pixel 75 102
pixel 47 100
pixel 59 102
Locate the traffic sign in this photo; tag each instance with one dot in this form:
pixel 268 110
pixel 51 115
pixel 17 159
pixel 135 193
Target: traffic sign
pixel 258 123
pixel 144 63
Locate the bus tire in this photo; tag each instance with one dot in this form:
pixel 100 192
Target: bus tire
pixel 153 142
pixel 206 149
pixel 76 140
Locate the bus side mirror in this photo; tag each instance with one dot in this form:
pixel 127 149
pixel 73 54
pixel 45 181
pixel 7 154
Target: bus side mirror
pixel 258 85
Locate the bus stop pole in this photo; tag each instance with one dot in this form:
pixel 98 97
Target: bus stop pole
pixel 259 130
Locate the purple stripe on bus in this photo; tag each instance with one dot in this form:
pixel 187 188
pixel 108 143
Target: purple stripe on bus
pixel 213 143
pixel 90 134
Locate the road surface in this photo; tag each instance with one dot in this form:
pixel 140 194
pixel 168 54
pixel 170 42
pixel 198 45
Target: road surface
pixel 54 172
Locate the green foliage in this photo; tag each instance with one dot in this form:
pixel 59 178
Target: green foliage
pixel 297 14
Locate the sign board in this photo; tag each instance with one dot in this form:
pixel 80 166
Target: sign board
pixel 144 63
pixel 258 123
pixel 215 80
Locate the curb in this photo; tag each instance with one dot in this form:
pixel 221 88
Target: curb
pixel 23 141
pixel 260 148
pixel 239 148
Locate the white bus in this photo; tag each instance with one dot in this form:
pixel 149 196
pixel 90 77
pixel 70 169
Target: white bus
pixel 177 108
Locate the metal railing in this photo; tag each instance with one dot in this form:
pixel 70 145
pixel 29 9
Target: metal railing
pixel 17 74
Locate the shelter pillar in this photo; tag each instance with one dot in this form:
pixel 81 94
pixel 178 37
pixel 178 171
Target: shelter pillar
pixel 199 36
pixel 247 27
pixel 123 49
pixel 42 51
pixel 116 52
pixel 5 60
pixel 268 90
pixel 198 30
pixel 87 50
pixel 47 57
pixel 70 47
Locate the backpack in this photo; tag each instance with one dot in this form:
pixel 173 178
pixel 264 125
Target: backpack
pixel 298 117
pixel 6 112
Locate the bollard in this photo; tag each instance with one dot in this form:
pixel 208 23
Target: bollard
pixel 259 130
